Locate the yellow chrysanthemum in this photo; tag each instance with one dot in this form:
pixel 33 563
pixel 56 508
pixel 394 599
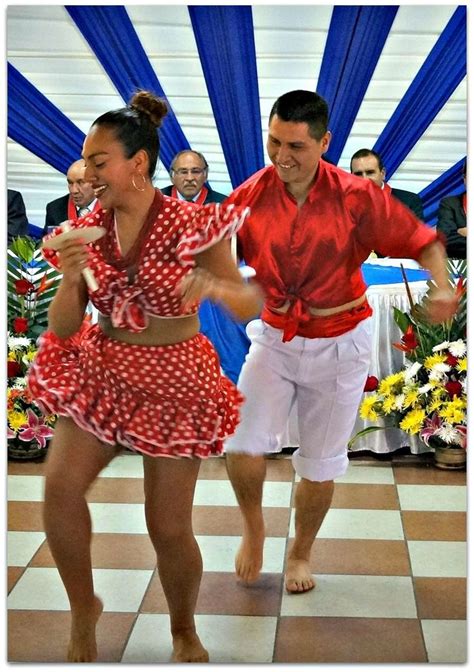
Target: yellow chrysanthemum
pixel 30 355
pixel 11 356
pixel 388 384
pixel 413 421
pixel 432 360
pixel 411 397
pixel 462 364
pixel 389 404
pixel 16 419
pixel 458 402
pixel 452 414
pixel 367 411
pixel 434 405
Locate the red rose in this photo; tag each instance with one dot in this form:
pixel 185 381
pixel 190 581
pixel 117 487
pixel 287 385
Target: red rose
pixel 371 384
pixel 20 325
pixel 13 369
pixel 451 360
pixel 453 387
pixel 22 287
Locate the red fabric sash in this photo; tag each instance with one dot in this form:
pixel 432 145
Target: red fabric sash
pixel 199 200
pixel 316 326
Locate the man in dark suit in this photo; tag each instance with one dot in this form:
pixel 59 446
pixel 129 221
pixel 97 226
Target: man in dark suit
pixel 189 170
pixel 368 164
pixel 452 222
pixel 80 200
pixel 17 219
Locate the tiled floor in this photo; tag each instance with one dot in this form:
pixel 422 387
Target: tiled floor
pixel 390 563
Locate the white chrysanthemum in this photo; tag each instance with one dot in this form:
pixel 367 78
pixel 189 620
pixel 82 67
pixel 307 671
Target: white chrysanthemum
pixel 399 401
pixel 425 388
pixel 436 376
pixel 412 370
pixel 447 433
pixel 458 348
pixel 17 342
pixel 441 346
pixel 19 384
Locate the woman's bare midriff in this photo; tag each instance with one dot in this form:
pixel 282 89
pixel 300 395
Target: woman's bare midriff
pixel 323 312
pixel 160 330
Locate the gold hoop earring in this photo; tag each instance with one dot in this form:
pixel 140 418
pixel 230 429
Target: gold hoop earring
pixel 144 182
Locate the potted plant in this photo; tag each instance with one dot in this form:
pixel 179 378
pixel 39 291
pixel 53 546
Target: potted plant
pixel 428 398
pixel 31 285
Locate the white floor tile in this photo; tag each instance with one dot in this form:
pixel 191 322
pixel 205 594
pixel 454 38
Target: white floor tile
pixel 21 547
pixel 41 588
pixel 432 497
pixel 25 488
pixel 119 518
pixel 364 473
pixel 218 553
pixel 446 641
pixel 358 524
pixel 354 596
pixel 438 558
pixel 229 639
pixel 124 466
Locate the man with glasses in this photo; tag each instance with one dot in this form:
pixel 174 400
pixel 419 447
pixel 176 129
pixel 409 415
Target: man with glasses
pixel 188 174
pixel 189 170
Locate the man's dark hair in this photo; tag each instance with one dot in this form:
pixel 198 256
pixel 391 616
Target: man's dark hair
pixel 361 153
pixel 188 151
pixel 303 106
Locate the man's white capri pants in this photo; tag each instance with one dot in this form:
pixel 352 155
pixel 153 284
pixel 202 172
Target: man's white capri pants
pixel 324 376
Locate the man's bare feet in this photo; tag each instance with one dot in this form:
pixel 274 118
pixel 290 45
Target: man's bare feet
pixel 298 577
pixel 187 648
pixel 82 645
pixel 249 558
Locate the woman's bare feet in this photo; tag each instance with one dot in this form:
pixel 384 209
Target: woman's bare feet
pixel 249 558
pixel 298 577
pixel 82 645
pixel 187 648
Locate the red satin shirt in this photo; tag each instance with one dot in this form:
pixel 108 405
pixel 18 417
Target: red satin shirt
pixel 312 256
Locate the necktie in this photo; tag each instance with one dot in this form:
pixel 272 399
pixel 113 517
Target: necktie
pixel 83 212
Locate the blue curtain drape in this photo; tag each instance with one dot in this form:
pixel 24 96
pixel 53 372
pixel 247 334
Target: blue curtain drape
pixel 36 124
pixel 450 183
pixel 354 43
pixel 226 46
pixel 112 37
pixel 441 73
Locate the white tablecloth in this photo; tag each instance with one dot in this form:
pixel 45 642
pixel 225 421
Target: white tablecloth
pixel 385 360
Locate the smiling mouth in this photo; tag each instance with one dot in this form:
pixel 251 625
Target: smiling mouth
pixel 285 166
pixel 98 191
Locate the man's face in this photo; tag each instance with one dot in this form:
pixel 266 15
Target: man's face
pixel 81 191
pixel 188 175
pixel 293 152
pixel 368 168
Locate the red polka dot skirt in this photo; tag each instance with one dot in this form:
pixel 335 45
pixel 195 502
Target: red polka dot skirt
pixel 167 400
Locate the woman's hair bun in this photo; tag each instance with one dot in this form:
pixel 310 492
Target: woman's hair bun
pixel 147 103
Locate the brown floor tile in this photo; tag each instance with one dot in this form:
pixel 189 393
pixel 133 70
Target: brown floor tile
pixel 221 593
pixel 434 525
pixel 13 575
pixel 423 475
pixel 227 520
pixel 25 516
pixel 128 490
pixel 349 640
pixel 21 468
pixel 441 598
pixel 364 496
pixel 360 556
pixel 42 636
pixel 110 551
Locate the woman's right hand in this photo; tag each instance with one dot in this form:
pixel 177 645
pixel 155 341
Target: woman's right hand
pixel 73 257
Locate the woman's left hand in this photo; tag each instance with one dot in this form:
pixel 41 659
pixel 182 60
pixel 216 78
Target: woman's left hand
pixel 442 305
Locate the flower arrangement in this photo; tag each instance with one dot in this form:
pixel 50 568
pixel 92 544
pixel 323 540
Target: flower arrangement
pixel 428 398
pixel 31 286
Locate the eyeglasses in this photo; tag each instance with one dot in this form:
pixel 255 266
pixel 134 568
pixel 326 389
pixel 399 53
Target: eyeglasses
pixel 191 171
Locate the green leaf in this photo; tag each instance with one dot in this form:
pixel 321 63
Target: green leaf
pixel 363 432
pixel 402 320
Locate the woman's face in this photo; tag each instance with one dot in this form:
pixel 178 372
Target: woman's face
pixel 107 168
